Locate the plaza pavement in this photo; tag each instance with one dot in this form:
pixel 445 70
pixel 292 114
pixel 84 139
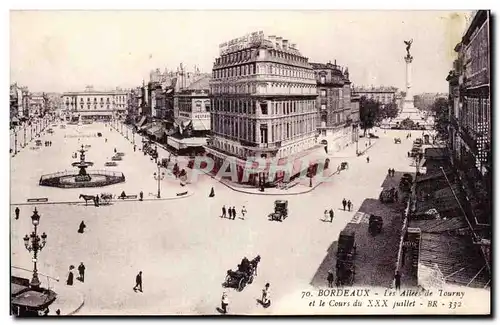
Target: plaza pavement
pixel 183 246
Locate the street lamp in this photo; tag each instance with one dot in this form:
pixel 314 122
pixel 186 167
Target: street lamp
pixel 15 141
pixel 24 130
pixel 133 136
pixel 33 243
pixel 159 177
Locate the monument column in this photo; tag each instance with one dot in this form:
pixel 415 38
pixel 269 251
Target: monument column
pixel 408 103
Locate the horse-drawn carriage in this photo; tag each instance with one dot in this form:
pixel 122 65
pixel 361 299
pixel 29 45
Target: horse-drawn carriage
pixel 397 140
pixel 116 158
pixel 388 195
pixel 344 165
pixel 280 211
pixel 104 198
pixel 345 257
pixel 244 275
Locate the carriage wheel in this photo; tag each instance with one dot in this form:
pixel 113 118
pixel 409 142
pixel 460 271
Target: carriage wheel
pixel 241 284
pixel 250 279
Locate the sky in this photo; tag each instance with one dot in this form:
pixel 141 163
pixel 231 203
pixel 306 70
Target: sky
pixel 58 51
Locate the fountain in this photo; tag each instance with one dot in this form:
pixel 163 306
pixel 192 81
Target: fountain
pixel 84 178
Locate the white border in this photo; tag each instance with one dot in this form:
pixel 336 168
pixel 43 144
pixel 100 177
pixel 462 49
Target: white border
pixel 185 4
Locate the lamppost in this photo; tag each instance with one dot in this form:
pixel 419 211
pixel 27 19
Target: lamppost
pixel 126 131
pixel 15 141
pixel 133 136
pixel 33 243
pixel 24 130
pixel 159 177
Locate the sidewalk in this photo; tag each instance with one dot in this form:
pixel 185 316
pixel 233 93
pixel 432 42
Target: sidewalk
pixel 113 201
pixel 69 300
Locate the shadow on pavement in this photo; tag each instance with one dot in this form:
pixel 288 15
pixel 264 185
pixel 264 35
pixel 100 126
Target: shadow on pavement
pixel 376 255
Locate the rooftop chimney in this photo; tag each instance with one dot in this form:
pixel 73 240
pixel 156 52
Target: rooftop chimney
pixel 285 44
pixel 279 42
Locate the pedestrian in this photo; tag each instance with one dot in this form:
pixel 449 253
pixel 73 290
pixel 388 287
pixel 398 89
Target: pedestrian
pixel 349 205
pixel 224 303
pixel 344 203
pixel 58 312
pixel 141 196
pixel 392 172
pixel 138 282
pixel 223 211
pixel 266 295
pixel 330 279
pixel 408 154
pixel 106 141
pixel 234 213
pixel 81 272
pixel 82 227
pixel 397 280
pixel 331 215
pixel 96 200
pixel 135 147
pixel 212 192
pixel 325 215
pixel 17 212
pixel 115 150
pixel 243 212
pixel 69 281
pixel 367 159
pixel 389 172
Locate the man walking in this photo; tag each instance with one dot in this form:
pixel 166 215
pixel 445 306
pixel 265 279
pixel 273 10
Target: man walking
pixel 17 212
pixel 344 203
pixel 223 211
pixel 243 212
pixel 81 272
pixel 368 159
pixel 331 215
pixel 141 196
pixel 330 278
pixel 224 302
pixel 349 205
pixel 234 213
pixel 397 280
pixel 230 212
pixel 138 282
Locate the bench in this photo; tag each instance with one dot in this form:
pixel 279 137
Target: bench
pixel 127 197
pixel 40 199
pixel 183 193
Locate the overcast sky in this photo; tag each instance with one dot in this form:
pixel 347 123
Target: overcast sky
pixel 67 50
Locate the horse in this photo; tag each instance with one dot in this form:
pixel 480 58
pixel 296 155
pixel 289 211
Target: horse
pixel 87 198
pixel 254 264
pixel 106 197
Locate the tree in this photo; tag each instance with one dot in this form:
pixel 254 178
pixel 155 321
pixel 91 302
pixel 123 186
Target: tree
pixel 369 113
pixel 390 110
pixel 441 117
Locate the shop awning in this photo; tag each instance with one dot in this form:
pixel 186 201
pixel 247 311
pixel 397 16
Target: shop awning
pixel 141 121
pixel 146 127
pixel 199 125
pixel 157 130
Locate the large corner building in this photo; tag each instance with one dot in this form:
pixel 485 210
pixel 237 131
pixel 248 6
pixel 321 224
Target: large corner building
pixel 263 101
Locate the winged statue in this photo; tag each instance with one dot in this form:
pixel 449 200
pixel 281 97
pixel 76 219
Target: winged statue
pixel 408 46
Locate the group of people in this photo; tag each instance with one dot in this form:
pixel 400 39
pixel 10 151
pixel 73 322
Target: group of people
pixel 329 215
pixel 231 212
pixel 81 274
pixel 48 143
pixel 265 300
pixel 391 172
pixel 347 203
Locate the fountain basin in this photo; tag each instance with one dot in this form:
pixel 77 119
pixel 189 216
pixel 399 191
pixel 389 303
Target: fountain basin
pixel 70 179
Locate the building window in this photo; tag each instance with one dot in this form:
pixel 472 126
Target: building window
pixel 323 107
pixel 322 79
pixel 323 93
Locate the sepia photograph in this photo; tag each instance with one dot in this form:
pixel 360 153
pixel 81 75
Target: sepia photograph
pixel 250 162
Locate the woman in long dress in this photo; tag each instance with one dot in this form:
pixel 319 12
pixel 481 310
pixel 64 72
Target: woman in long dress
pixel 69 281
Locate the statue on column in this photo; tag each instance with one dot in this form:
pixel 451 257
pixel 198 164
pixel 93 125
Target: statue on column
pixel 408 46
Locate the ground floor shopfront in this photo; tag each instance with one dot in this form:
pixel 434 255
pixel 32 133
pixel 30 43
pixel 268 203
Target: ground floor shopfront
pixel 267 172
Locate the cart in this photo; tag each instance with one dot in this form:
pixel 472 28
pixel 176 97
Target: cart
pixel 280 211
pixel 346 252
pixel 375 224
pixel 105 198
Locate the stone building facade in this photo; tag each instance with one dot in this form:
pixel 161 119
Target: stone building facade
pixel 337 119
pixel 263 100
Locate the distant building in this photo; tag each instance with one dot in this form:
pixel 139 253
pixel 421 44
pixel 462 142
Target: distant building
pixel 334 105
pixel 425 101
pixel 94 105
pixel 263 102
pixel 383 95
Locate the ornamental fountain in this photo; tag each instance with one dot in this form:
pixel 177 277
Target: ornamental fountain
pixel 84 178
